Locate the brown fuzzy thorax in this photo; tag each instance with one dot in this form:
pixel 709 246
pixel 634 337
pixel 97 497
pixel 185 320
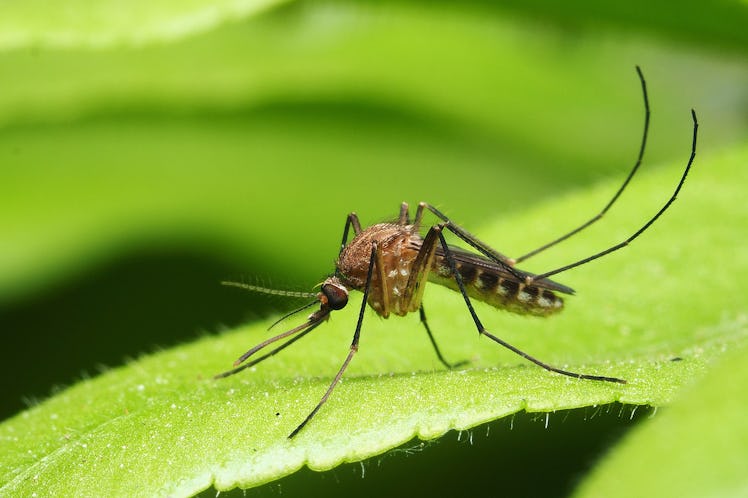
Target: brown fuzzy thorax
pixel 399 248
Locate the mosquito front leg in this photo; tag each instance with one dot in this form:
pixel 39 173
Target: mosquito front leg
pixel 354 345
pixel 482 330
pixel 384 292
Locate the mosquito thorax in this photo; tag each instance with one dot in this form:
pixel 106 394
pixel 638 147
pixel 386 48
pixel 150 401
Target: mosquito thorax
pixel 334 294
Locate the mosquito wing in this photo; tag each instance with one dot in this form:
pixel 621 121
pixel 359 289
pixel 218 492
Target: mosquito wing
pixel 481 262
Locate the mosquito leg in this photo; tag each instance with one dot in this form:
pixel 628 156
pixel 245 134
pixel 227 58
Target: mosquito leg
pixel 419 216
pixel 351 220
pixel 419 275
pixel 419 272
pixel 612 201
pixel 384 297
pixel 450 366
pixel 482 330
pixel 664 208
pixel 505 262
pixel 404 218
pixel 354 344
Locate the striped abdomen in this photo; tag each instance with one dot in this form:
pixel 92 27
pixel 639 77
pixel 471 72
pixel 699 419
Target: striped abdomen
pixel 497 288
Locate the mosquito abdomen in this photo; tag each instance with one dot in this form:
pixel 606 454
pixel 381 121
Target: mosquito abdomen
pixel 498 291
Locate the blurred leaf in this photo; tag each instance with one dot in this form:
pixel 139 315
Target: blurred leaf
pixel 717 24
pixel 106 23
pixel 158 426
pixel 694 448
pixel 222 140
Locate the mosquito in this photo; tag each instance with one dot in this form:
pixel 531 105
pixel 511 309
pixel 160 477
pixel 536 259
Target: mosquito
pixel 391 264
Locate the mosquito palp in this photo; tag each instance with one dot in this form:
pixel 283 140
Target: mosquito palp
pixel 391 263
pixel 292 313
pixel 302 333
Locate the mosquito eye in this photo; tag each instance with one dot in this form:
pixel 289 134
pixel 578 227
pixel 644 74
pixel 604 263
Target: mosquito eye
pixel 337 298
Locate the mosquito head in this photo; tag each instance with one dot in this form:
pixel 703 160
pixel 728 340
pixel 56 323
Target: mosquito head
pixel 334 294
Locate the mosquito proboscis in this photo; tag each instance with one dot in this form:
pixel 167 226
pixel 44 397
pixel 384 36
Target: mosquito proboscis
pixel 391 264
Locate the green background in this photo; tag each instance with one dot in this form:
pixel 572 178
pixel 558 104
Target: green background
pixel 148 152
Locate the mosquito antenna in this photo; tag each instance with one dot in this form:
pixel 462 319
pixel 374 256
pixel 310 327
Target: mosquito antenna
pixel 291 313
pixel 268 290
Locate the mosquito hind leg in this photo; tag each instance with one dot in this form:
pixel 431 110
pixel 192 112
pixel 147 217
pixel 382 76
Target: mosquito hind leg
pixel 632 172
pixel 491 253
pixel 644 227
pixel 482 330
pixel 649 223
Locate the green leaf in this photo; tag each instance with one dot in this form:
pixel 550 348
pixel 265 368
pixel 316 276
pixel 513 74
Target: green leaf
pixel 114 143
pixel 702 436
pixel 161 426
